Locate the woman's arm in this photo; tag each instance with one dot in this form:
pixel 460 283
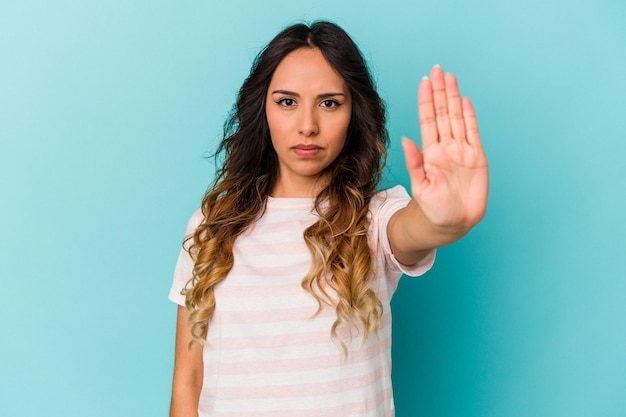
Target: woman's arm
pixel 449 177
pixel 188 370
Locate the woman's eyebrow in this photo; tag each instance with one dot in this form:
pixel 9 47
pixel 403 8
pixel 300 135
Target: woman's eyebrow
pixel 330 95
pixel 293 93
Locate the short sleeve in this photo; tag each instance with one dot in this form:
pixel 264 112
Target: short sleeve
pixel 383 206
pixel 184 264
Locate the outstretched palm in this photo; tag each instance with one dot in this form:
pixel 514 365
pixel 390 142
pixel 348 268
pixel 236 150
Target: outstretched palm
pixel 449 178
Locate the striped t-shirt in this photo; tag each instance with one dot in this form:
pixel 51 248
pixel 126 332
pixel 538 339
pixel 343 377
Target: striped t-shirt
pixel 267 354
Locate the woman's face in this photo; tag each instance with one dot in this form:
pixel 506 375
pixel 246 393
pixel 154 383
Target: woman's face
pixel 308 108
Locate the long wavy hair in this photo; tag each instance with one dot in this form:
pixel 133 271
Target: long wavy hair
pixel 341 272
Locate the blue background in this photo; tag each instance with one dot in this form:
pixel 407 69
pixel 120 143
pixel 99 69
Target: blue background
pixel 107 110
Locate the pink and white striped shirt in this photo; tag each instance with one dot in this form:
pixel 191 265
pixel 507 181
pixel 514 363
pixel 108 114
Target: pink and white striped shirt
pixel 267 354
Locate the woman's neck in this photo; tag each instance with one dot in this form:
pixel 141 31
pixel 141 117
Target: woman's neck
pixel 298 187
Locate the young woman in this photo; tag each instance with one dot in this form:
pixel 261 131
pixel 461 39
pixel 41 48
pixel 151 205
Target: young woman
pixel 286 275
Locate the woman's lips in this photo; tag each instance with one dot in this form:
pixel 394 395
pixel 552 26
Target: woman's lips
pixel 306 151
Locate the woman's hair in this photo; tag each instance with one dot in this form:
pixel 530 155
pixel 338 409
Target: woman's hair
pixel 338 241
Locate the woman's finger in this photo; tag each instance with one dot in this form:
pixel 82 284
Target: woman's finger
pixel 428 123
pixel 440 102
pixel 471 124
pixel 455 109
pixel 414 163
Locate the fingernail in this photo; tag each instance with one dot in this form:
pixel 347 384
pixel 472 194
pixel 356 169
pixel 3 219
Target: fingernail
pixel 425 78
pixel 436 66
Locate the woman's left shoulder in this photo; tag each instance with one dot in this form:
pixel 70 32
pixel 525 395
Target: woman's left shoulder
pixel 393 194
pixel 386 202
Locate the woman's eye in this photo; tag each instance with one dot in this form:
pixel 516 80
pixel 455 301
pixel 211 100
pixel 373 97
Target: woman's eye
pixel 287 102
pixel 330 103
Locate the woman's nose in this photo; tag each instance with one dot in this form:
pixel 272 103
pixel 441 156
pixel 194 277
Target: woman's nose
pixel 308 123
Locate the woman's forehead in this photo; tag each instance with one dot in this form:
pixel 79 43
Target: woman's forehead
pixel 307 69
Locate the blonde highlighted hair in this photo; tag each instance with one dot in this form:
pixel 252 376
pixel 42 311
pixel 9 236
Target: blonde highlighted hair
pixel 338 241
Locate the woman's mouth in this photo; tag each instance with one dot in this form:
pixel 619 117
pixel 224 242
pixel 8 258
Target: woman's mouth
pixel 306 151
